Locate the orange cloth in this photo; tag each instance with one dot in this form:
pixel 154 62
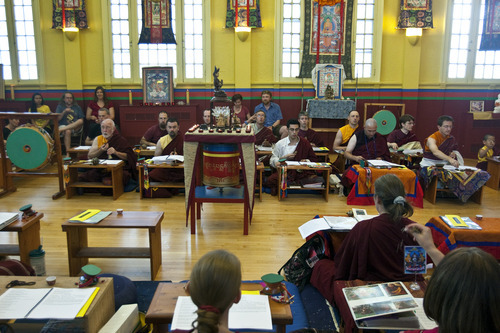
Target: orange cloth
pixel 101 140
pixel 347 131
pixel 436 136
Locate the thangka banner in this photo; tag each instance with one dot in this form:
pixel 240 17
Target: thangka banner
pixel 74 14
pixel 254 17
pixel 329 37
pixel 415 14
pixel 490 38
pixel 157 22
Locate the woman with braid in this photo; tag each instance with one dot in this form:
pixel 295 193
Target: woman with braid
pixel 214 287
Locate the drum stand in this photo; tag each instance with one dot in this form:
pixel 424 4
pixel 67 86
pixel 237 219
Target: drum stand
pixel 8 174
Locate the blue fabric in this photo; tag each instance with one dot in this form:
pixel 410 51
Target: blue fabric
pixel 330 109
pixel 320 314
pixel 124 288
pixel 273 114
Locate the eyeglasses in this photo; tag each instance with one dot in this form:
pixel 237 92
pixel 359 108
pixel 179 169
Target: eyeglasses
pixel 293 129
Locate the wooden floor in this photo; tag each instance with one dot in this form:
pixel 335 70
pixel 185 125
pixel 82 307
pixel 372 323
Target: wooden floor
pixel 273 234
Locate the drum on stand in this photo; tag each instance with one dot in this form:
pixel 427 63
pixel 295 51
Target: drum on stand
pixel 221 164
pixel 386 121
pixel 30 148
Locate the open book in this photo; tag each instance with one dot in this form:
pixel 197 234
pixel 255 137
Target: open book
pixel 334 223
pixel 7 218
pixel 46 303
pixel 383 164
pixel 169 159
pixel 383 306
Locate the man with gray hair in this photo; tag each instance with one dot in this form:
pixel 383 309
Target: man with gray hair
pixel 367 144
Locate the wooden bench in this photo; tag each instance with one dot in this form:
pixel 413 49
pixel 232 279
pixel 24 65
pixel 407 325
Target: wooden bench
pixel 432 189
pixel 326 176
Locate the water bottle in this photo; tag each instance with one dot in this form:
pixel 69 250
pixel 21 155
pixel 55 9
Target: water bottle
pixel 37 261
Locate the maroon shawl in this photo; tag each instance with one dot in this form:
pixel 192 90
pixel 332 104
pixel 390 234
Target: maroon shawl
pixel 446 147
pixel 400 138
pixel 121 145
pixel 312 136
pixel 170 175
pixel 372 148
pixel 264 134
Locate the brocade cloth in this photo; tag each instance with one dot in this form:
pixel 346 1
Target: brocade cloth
pixel 330 109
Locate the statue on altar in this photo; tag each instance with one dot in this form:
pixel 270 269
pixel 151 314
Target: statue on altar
pixel 221 114
pixel 329 92
pixel 218 92
pixel 497 105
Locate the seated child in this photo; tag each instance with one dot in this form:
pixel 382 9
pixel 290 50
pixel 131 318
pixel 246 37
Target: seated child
pixel 488 150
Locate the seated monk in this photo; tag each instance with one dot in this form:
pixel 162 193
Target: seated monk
pixel 345 132
pixel 305 132
pixel 170 144
pixel 155 132
pixel 487 151
pixel 441 147
pixel 263 135
pixel 292 148
pixel 404 138
pixel 374 249
pixel 113 145
pixel 367 144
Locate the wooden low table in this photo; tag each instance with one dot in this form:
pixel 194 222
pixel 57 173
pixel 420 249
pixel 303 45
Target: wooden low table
pixel 161 309
pixel 116 178
pixel 140 169
pixel 79 252
pixel 326 176
pixel 28 235
pixel 99 312
pixel 494 171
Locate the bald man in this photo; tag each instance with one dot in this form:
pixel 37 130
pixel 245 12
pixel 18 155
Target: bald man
pixel 367 144
pixel 110 144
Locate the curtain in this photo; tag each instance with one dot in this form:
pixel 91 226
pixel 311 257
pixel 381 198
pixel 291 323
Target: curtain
pixel 490 38
pixel 415 14
pixel 254 6
pixel 74 14
pixel 157 22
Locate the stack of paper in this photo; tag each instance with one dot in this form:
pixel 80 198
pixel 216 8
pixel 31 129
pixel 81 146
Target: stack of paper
pixel 7 218
pixel 91 216
pixel 383 164
pixel 169 159
pixel 335 223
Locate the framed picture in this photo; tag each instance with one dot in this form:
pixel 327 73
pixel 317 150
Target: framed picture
pixel 157 85
pixel 330 75
pixel 476 106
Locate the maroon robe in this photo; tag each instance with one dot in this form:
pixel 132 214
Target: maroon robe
pixel 372 251
pixel 312 136
pixel 265 133
pixel 121 145
pixel 154 133
pixel 372 148
pixel 12 267
pixel 304 151
pixel 170 175
pixel 400 138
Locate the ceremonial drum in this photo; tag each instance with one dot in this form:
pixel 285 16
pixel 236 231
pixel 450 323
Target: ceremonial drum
pixel 386 121
pixel 221 164
pixel 30 148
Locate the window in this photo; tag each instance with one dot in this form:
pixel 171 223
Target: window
pixel 128 57
pixel 17 40
pixel 465 61
pixel 292 25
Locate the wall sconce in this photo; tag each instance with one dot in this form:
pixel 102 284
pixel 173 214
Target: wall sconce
pixel 70 33
pixel 242 33
pixel 413 35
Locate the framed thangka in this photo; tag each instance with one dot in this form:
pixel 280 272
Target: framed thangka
pixel 330 35
pixel 330 75
pixel 157 85
pixel 476 106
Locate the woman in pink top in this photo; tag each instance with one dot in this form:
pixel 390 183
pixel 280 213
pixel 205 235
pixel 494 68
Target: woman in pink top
pixel 239 110
pixel 100 101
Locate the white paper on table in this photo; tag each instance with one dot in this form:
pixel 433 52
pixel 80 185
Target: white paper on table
pixel 251 312
pixel 292 163
pixel 110 162
pixel 62 303
pixel 151 148
pixel 382 163
pixel 82 148
pixel 365 217
pixel 424 321
pixel 262 148
pixel 184 314
pixel 310 227
pixel 341 222
pixel 16 303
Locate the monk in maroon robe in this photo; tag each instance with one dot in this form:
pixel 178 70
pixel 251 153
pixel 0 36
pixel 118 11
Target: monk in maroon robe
pixel 305 132
pixel 171 144
pixel 292 148
pixel 367 144
pixel 263 135
pixel 404 135
pixel 113 144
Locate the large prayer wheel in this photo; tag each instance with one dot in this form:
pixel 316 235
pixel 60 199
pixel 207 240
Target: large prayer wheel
pixel 221 164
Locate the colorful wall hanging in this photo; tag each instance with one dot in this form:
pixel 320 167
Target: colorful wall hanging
pixel 157 22
pixel 245 11
pixel 490 38
pixel 335 33
pixel 69 14
pixel 415 14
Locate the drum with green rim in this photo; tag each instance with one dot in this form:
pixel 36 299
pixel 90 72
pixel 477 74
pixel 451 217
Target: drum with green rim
pixel 386 121
pixel 29 148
